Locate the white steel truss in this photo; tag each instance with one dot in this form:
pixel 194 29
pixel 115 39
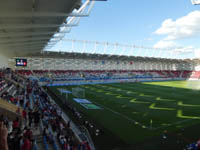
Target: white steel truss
pixel 85 10
pixel 110 49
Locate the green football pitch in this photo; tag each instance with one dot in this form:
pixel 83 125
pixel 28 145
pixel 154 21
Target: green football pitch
pixel 135 112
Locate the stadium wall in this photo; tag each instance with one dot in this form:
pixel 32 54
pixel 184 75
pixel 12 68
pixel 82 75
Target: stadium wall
pixel 4 62
pixel 84 82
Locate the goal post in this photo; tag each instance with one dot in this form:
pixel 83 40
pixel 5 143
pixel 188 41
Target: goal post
pixel 78 92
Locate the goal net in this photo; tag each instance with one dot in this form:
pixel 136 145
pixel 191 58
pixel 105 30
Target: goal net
pixel 78 92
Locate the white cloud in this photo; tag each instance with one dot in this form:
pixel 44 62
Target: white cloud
pixel 165 44
pixel 184 27
pixel 148 39
pixel 173 46
pixel 197 53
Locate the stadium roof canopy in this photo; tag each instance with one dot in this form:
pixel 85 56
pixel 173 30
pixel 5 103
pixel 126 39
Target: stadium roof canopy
pixel 89 56
pixel 29 25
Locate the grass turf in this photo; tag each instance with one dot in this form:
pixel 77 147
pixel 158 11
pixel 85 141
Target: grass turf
pixel 128 108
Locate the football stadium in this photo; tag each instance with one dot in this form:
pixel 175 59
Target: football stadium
pixel 58 92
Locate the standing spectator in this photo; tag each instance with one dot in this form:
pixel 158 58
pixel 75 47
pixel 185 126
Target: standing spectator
pixel 16 123
pixel 21 102
pixel 18 110
pixel 24 115
pixel 27 104
pixel 16 141
pixel 26 144
pixel 3 137
pixel 36 115
pixel 28 133
pixel 198 144
pixel 87 146
pixel 30 117
pixel 68 124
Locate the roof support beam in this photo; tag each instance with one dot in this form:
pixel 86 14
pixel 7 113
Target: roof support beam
pixel 13 39
pixel 25 26
pixel 19 34
pixel 28 39
pixel 31 48
pixel 41 14
pixel 25 39
pixel 25 43
pixel 39 47
pixel 22 34
pixel 76 19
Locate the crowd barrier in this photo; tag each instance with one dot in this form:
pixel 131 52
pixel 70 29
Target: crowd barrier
pixel 85 82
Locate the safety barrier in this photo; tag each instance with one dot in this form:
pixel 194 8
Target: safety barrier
pixel 116 81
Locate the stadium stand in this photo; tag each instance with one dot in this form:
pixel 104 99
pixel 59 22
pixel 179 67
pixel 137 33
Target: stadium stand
pixel 29 113
pixel 39 121
pixel 67 75
pixel 27 110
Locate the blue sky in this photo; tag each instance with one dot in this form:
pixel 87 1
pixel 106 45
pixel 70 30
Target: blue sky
pixel 140 23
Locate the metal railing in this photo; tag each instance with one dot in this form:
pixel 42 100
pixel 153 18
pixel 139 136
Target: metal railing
pixel 85 131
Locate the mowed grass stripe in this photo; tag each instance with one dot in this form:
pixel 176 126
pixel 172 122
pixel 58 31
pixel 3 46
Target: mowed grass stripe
pixel 119 125
pixel 139 110
pixel 162 108
pixel 122 98
pixel 167 92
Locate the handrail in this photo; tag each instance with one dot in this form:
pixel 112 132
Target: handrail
pixel 87 134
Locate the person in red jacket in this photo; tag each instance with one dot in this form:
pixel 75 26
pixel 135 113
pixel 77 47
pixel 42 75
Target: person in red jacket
pixel 198 144
pixel 24 114
pixel 16 123
pixel 29 134
pixel 26 144
pixel 87 146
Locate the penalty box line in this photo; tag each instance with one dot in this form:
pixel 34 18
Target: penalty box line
pixel 147 127
pixel 124 116
pixel 176 123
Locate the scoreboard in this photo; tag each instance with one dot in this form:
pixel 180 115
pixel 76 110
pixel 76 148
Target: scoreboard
pixel 21 62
